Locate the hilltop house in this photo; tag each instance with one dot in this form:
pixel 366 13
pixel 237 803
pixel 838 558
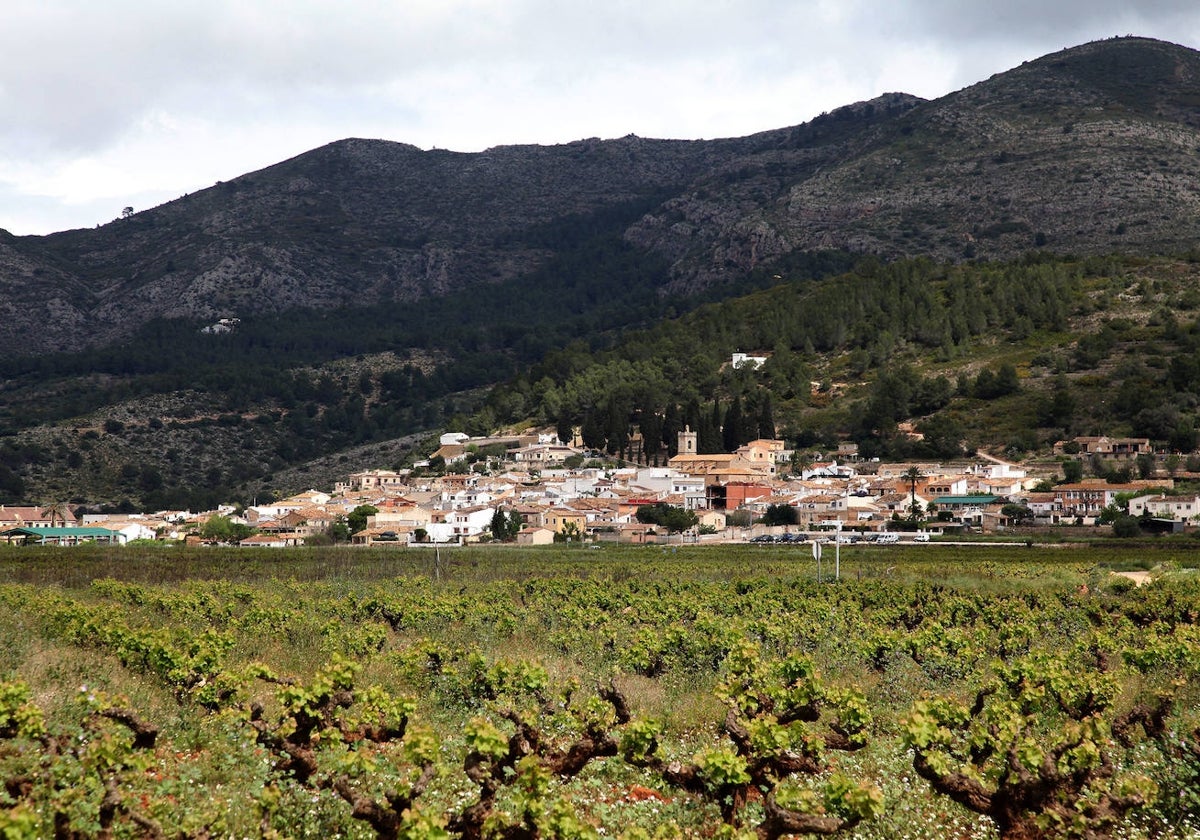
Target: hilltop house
pixel 741 360
pixel 1106 447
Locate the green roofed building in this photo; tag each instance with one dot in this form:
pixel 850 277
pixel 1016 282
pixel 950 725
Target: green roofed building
pixel 980 511
pixel 961 502
pixel 61 536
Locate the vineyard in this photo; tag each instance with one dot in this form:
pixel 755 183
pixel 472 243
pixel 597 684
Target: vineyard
pixel 983 692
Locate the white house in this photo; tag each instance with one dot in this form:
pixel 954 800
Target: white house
pixel 1177 508
pixel 266 541
pixel 306 499
pixel 999 469
pixel 134 530
pixel 468 497
pixel 261 513
pixel 127 525
pixel 463 525
pixel 741 360
pixel 695 495
pixel 1045 507
pixel 828 469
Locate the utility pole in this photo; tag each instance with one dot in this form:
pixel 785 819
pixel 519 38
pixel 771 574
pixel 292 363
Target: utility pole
pixel 837 552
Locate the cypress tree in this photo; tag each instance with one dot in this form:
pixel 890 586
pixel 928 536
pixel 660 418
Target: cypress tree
pixel 708 436
pixel 593 431
pixel 565 428
pixel 766 420
pixel 672 426
pixel 651 425
pixel 618 428
pixel 692 417
pixel 733 431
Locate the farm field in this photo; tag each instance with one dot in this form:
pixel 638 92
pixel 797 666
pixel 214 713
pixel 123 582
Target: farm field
pixel 635 692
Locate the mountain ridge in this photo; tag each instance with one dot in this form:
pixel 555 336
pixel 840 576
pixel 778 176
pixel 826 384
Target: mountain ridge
pixel 1034 124
pixel 1084 151
pixel 384 290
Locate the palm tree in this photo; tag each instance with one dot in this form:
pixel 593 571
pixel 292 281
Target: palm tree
pixel 58 513
pixel 912 475
pixel 800 462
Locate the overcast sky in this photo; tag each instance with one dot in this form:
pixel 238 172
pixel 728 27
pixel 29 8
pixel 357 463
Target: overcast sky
pixel 121 103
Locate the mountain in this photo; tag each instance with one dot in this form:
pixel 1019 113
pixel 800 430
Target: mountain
pixel 1087 151
pixel 382 289
pixel 357 222
pixel 1083 151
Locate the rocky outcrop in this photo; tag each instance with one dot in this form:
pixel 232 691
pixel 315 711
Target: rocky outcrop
pixel 1085 151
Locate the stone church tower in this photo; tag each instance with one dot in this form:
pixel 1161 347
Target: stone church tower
pixel 687 441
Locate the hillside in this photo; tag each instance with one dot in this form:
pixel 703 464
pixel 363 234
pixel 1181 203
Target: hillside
pixel 998 356
pixel 355 223
pixel 1084 151
pixel 382 290
pixel 1004 357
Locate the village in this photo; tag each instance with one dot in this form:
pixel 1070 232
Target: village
pixel 533 489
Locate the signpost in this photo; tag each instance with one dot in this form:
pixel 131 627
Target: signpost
pixel 817 557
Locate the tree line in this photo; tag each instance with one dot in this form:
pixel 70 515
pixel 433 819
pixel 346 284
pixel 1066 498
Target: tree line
pixel 874 316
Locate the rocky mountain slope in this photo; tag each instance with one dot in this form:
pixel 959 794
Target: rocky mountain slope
pixel 1089 150
pixel 1085 151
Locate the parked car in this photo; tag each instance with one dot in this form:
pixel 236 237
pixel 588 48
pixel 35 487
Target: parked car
pixel 922 537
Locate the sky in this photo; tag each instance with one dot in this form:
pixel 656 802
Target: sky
pixel 131 103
